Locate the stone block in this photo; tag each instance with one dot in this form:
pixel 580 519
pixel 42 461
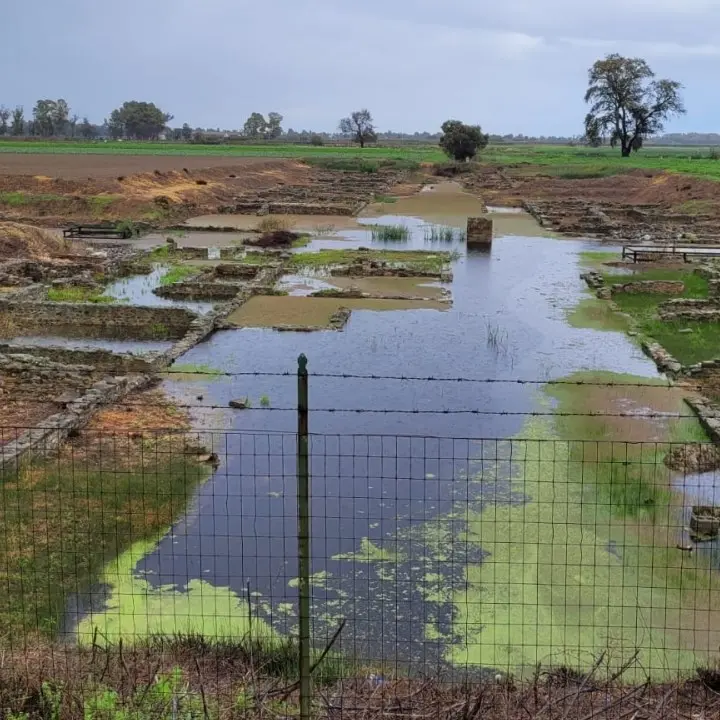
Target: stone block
pixel 479 231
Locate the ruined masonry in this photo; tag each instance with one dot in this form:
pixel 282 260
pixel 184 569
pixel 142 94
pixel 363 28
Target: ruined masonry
pixel 479 231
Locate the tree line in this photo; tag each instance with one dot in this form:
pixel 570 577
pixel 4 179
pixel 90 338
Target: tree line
pixel 628 106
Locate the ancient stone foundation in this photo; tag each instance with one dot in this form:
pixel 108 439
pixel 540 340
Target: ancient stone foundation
pixel 660 287
pixel 479 232
pixel 108 320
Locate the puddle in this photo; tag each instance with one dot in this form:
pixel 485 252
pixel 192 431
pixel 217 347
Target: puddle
pixel 303 285
pixel 138 290
pixel 394 286
pixel 270 311
pixel 503 210
pixel 137 347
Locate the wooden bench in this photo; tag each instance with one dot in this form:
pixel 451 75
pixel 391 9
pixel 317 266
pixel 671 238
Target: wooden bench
pixel 99 232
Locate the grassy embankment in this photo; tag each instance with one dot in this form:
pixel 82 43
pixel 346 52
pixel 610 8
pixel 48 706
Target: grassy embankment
pixel 117 486
pixel 589 563
pixel 702 342
pixel 414 260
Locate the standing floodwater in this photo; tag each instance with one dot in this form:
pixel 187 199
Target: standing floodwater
pixel 389 483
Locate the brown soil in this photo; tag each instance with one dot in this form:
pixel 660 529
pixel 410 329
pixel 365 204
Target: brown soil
pixel 84 167
pixel 25 241
pixel 636 203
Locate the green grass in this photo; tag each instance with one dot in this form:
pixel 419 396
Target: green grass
pixel 302 241
pixel 99 204
pixel 388 199
pixel 595 259
pixel 78 295
pixel 412 259
pixel 588 561
pixel 557 160
pixel 178 273
pixel 703 343
pixel 62 526
pixel 264 401
pixel 390 233
pixel 17 198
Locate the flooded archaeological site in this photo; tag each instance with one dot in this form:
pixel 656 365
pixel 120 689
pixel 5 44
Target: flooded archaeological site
pixel 462 524
pixel 500 476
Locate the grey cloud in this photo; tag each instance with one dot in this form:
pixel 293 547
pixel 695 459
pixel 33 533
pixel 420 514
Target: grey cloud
pixel 515 66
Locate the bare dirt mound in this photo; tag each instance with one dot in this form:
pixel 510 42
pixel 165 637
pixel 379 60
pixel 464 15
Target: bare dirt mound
pixel 25 241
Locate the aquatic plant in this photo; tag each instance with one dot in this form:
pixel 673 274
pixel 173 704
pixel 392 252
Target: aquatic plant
pixel 272 223
pixel 444 233
pixel 264 401
pixel 390 233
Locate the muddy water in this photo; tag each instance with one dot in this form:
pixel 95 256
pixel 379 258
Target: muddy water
pixel 388 490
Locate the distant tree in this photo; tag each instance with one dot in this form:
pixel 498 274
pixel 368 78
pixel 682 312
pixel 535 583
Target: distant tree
pixel 460 141
pixel 43 116
pixel 186 132
pixel 255 126
pixel 628 104
pixel 316 140
pixel 59 116
pixel 18 121
pixel 360 126
pixel 73 124
pixel 4 117
pixel 87 129
pixel 138 121
pixel 273 128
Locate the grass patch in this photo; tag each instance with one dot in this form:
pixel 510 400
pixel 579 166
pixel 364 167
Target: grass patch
pixel 78 295
pixel 17 198
pixel 99 204
pixel 302 241
pixel 695 207
pixel 416 260
pixel 703 343
pixel 388 199
pixel 178 273
pixel 264 401
pixel 595 259
pixel 390 233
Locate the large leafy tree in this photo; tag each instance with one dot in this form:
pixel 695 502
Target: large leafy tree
pixel 274 125
pixel 87 129
pixel 627 103
pixel 138 121
pixel 360 126
pixel 460 141
pixel 255 126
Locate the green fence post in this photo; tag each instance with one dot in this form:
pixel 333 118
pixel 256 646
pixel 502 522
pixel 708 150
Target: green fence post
pixel 303 530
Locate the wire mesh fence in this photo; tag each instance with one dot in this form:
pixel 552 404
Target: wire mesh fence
pixel 161 573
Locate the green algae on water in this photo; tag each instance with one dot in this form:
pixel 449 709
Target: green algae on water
pixel 136 610
pixel 369 552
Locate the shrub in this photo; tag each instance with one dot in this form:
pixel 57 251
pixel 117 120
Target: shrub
pixel 316 140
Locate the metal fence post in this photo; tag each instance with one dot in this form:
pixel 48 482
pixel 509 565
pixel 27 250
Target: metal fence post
pixel 303 517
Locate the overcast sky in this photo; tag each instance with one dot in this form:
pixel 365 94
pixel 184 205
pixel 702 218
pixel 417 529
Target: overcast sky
pixel 512 66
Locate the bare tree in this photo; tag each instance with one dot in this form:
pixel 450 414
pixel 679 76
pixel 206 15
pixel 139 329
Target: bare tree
pixel 4 117
pixel 628 104
pixel 360 126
